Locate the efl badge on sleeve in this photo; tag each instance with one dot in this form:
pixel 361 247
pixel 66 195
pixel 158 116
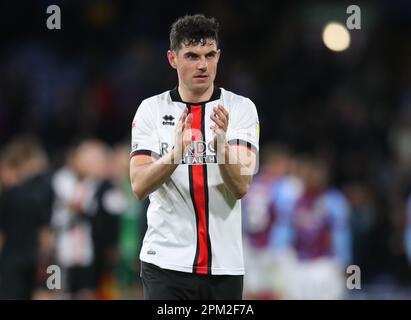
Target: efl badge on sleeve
pixel 257 130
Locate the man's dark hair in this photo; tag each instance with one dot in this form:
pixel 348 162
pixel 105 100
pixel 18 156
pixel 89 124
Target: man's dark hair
pixel 19 150
pixel 192 30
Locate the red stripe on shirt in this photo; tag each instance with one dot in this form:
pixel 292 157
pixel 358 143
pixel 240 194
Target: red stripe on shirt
pixel 200 199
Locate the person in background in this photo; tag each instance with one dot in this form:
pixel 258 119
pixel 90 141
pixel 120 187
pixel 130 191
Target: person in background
pixel 363 218
pixel 259 217
pixel 316 229
pixel 25 208
pixel 85 222
pixel 408 231
pixel 132 225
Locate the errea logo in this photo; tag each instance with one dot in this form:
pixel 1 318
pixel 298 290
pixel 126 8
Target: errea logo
pixel 168 120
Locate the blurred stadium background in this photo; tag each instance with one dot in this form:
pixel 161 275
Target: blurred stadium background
pixel 335 129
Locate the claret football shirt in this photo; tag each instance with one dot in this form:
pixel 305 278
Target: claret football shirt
pixel 194 222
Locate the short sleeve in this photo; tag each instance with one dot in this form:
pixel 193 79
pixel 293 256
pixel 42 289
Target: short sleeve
pixel 245 127
pixel 144 137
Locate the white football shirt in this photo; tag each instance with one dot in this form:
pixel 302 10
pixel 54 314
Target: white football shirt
pixel 194 222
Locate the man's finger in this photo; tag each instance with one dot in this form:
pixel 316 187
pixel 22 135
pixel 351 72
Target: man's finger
pixel 183 115
pixel 181 123
pixel 188 121
pixel 224 110
pixel 221 116
pixel 218 121
pixel 182 119
pixel 219 124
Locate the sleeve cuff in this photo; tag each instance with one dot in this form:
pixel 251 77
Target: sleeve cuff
pixel 144 152
pixel 240 142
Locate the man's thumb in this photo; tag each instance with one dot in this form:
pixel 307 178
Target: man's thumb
pixel 189 121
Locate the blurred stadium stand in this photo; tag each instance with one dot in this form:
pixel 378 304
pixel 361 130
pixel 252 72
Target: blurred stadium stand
pixel 352 109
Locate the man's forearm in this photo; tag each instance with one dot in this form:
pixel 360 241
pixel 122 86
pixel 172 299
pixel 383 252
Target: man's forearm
pixel 235 173
pixel 148 177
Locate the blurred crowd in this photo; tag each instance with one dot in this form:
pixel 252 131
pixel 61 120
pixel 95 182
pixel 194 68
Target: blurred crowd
pixel 334 186
pixel 300 231
pixel 81 217
pixel 303 234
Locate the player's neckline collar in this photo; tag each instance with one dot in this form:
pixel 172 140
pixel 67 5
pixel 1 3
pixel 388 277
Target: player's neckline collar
pixel 175 96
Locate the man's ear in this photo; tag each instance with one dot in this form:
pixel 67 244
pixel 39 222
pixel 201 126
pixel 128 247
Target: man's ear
pixel 218 54
pixel 172 58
